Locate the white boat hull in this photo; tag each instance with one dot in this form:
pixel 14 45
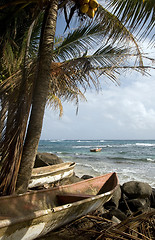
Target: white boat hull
pixel 51 174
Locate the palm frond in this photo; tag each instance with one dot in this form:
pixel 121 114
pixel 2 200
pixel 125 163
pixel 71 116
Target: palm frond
pixel 137 14
pixel 94 226
pixel 77 41
pixel 55 103
pixel 116 31
pixel 84 72
pixel 35 36
pixel 16 93
pixel 62 84
pixel 12 136
pixel 105 27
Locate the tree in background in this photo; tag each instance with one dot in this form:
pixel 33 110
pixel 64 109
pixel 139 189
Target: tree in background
pixel 40 76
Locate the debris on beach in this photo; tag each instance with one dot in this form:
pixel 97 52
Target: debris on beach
pixel 95 227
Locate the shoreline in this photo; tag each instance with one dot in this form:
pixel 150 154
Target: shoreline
pixel 132 160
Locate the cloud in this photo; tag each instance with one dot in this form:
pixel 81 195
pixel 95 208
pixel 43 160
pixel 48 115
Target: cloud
pixel 118 112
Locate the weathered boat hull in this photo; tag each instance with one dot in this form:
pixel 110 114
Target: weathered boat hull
pixel 34 214
pixel 51 174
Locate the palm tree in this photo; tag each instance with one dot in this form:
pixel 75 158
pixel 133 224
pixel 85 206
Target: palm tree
pixel 14 46
pixel 110 29
pixel 40 94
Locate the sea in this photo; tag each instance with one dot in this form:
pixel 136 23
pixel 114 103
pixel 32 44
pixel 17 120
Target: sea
pixel 130 159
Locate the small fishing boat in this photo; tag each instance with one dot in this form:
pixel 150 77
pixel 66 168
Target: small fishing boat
pixel 96 150
pixel 51 174
pixel 35 213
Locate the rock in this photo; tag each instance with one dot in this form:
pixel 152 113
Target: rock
pixel 134 189
pixel 44 159
pixel 86 177
pixel 118 214
pixel 123 206
pixel 138 204
pixel 115 220
pixel 153 198
pixel 114 213
pixel 114 201
pixel 107 215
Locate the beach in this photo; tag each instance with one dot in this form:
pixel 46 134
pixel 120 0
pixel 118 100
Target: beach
pixel 130 159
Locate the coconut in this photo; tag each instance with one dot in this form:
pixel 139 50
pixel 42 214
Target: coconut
pixel 93 4
pixel 84 8
pixel 91 12
pixel 82 2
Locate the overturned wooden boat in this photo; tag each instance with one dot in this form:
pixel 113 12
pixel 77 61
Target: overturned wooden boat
pixel 35 213
pixel 51 174
pixel 96 150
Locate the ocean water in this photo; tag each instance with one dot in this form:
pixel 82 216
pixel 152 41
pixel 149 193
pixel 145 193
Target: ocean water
pixel 130 159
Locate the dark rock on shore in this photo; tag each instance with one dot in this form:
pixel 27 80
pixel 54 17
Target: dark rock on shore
pixel 130 198
pixel 45 159
pixel 114 201
pixel 138 204
pixel 153 198
pixel 118 214
pixel 84 177
pixel 134 189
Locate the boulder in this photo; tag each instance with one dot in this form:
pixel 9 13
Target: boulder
pixel 118 214
pixel 123 206
pixel 153 198
pixel 84 177
pixel 138 204
pixel 44 159
pixel 134 189
pixel 114 201
pixel 115 220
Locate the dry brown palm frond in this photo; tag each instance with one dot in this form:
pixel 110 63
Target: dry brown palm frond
pixel 55 102
pixel 15 92
pixel 62 87
pixel 13 134
pixel 72 75
pixel 16 95
pixel 134 227
pixel 95 227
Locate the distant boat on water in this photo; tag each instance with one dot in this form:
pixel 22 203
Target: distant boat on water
pixel 95 150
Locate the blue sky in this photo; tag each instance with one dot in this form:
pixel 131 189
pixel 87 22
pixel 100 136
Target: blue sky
pixel 117 112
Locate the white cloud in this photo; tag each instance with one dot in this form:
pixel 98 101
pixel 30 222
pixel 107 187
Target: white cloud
pixel 125 112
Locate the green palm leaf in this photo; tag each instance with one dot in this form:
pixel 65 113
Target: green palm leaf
pixel 136 14
pixel 108 60
pixel 105 27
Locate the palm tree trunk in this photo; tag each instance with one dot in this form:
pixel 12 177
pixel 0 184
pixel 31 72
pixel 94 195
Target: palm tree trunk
pixel 40 97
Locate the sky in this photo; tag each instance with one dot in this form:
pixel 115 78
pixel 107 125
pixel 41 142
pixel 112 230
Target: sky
pixel 126 111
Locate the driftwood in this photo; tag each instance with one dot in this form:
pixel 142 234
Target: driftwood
pixel 95 227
